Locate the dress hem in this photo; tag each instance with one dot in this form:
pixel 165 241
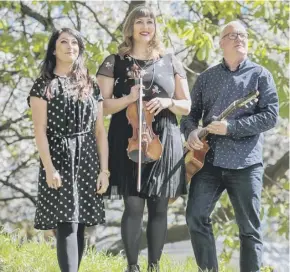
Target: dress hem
pixel 54 226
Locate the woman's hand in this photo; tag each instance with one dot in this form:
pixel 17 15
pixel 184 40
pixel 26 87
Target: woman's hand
pixel 53 179
pixel 134 93
pixel 157 104
pixel 102 183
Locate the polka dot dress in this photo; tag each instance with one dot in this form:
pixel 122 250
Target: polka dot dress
pixel 73 149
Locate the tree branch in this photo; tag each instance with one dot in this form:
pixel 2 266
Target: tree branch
pixel 46 22
pixel 15 72
pixel 167 33
pixel 275 172
pixel 13 197
pixel 25 194
pixel 9 122
pixel 16 188
pixel 191 71
pixel 11 94
pixel 78 27
pixel 20 138
pixel 132 5
pixel 97 20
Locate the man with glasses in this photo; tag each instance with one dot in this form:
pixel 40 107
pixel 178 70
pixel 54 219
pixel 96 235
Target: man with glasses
pixel 234 162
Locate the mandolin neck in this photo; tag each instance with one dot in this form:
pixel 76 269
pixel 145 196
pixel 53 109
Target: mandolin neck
pixel 203 132
pixel 227 111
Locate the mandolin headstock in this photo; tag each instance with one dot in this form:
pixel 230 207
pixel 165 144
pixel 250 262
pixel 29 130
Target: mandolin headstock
pixel 251 98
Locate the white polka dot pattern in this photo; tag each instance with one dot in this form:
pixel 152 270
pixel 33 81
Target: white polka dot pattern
pixel 214 90
pixel 72 144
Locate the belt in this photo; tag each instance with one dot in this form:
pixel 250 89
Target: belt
pixel 64 141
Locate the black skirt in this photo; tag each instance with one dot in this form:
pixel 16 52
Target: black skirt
pixel 162 178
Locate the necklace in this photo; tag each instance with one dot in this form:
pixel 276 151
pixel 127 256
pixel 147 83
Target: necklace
pixel 144 67
pixel 143 70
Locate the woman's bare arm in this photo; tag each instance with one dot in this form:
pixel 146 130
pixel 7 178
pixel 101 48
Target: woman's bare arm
pixel 102 140
pixel 181 103
pixel 39 118
pixel 103 151
pixel 111 105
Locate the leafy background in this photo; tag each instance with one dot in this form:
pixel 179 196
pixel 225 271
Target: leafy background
pixel 190 29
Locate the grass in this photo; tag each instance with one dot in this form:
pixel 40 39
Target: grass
pixel 40 256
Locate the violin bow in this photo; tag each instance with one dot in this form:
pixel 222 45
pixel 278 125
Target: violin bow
pixel 140 135
pixel 139 80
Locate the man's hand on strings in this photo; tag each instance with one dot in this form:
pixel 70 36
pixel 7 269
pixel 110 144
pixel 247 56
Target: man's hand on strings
pixel 193 141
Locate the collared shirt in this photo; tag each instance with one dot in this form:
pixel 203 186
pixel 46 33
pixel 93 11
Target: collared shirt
pixel 215 89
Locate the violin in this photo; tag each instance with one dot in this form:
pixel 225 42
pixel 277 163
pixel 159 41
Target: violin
pixel 144 146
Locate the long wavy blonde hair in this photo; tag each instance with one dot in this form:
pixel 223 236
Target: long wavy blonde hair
pixel 155 48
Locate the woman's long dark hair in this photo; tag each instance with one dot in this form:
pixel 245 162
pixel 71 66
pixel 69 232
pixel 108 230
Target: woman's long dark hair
pixel 79 74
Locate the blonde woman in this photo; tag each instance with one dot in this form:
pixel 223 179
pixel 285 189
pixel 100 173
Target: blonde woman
pixel 166 93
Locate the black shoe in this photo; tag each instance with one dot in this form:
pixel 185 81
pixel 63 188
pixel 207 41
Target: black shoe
pixel 153 268
pixel 133 268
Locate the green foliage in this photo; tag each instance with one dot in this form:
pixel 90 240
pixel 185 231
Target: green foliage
pixel 194 32
pixel 276 208
pixel 40 256
pixel 270 50
pixel 197 30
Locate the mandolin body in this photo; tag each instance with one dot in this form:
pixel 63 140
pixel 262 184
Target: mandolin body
pixel 194 160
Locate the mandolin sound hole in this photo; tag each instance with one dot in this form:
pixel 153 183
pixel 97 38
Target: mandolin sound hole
pixel 133 155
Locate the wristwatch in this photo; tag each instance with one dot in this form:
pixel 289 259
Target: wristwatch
pixel 107 172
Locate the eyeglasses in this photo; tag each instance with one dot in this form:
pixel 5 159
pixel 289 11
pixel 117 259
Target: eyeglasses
pixel 233 36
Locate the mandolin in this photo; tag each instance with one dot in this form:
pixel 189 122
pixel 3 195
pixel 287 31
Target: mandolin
pixel 194 160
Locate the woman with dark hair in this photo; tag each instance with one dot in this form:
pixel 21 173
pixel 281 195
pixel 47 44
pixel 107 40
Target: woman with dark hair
pixel 67 114
pixel 166 92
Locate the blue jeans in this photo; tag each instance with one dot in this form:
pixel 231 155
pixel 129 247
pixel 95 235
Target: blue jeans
pixel 244 187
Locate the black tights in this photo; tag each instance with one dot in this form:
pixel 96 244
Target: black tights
pixel 131 227
pixel 70 245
